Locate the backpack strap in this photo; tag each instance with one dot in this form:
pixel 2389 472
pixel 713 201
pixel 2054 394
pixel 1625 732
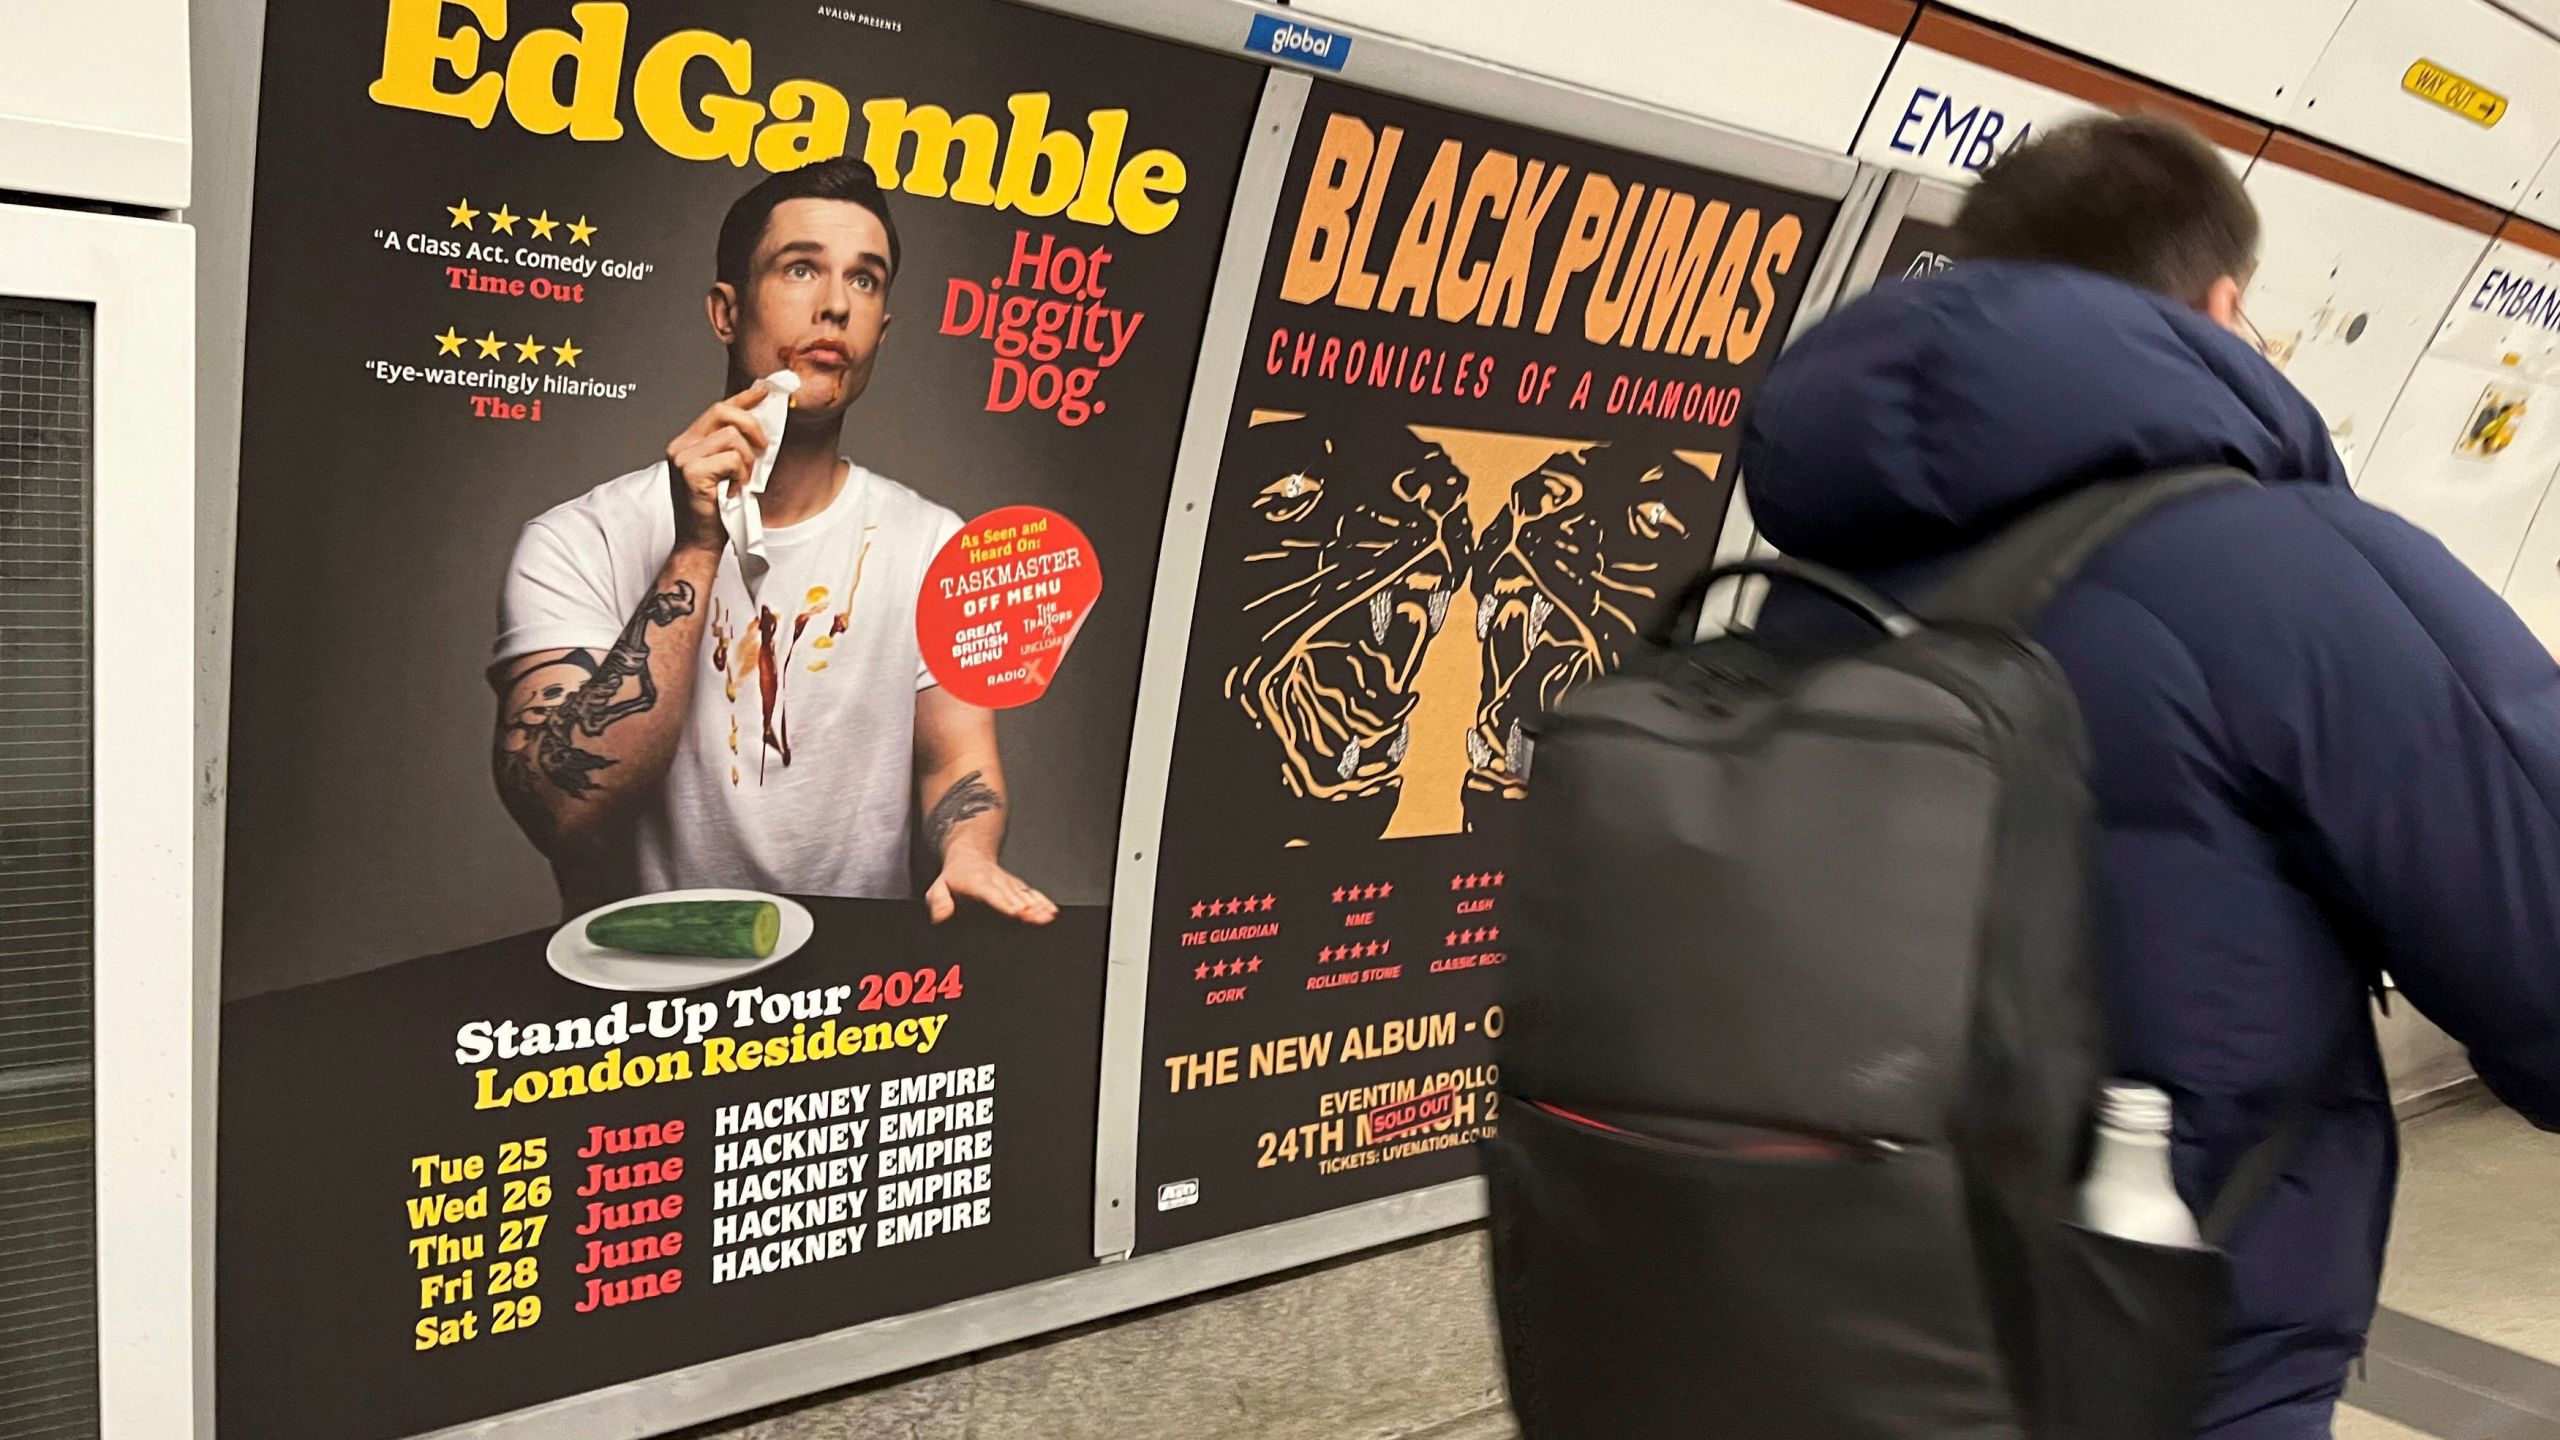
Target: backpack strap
pixel 1679 624
pixel 2010 578
pixel 2007 581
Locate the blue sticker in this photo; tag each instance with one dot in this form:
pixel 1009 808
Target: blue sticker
pixel 1296 40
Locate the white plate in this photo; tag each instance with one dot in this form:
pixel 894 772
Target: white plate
pixel 580 959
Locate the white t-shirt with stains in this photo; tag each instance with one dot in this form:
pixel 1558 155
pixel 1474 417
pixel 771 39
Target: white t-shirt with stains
pixel 811 794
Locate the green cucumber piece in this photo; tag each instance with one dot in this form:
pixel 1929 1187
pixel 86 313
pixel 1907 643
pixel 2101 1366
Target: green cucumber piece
pixel 725 929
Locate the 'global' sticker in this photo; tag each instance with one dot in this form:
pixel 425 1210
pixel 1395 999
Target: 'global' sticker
pixel 1003 601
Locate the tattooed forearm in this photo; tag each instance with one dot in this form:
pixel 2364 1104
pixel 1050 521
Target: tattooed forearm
pixel 541 745
pixel 969 797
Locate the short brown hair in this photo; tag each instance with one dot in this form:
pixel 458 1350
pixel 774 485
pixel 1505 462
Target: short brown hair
pixel 842 178
pixel 2140 197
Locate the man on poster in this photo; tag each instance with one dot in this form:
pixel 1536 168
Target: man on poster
pixel 663 723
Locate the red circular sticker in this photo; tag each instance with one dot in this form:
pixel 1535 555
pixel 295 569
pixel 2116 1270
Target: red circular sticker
pixel 1002 603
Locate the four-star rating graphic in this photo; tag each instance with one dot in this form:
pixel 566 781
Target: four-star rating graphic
pixel 505 344
pixel 503 221
pixel 539 265
pixel 493 346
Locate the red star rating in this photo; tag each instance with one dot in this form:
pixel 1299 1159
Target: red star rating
pixel 1253 966
pixel 1365 950
pixel 1240 965
pixel 1201 973
pixel 1234 905
pixel 1484 936
pixel 1491 880
pixel 1362 894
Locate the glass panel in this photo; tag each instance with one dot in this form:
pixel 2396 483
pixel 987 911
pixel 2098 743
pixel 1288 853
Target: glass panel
pixel 48 1229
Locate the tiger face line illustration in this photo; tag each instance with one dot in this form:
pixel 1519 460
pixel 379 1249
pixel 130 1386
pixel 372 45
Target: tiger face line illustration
pixel 1422 594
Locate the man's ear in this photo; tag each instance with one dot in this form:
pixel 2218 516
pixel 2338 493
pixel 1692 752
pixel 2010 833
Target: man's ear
pixel 722 306
pixel 2222 303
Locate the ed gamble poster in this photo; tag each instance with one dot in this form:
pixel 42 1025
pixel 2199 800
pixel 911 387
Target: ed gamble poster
pixel 702 473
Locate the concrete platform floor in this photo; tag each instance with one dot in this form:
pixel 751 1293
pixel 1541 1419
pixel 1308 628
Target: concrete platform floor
pixel 1399 1346
pixel 2468 1345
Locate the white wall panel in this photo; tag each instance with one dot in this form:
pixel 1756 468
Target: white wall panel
pixel 2356 96
pixel 2351 284
pixel 1943 116
pixel 2498 350
pixel 93 101
pixel 2542 198
pixel 2251 55
pixel 2533 583
pixel 2543 13
pixel 1775 66
pixel 1960 96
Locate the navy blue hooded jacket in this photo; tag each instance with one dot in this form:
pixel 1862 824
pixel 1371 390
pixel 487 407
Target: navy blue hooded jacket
pixel 2321 743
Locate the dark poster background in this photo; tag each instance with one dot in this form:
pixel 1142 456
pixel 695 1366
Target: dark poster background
pixel 378 898
pixel 376 519
pixel 1398 578
pixel 331 1093
pixel 1918 250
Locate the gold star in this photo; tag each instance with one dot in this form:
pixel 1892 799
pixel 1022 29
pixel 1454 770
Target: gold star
pixel 527 350
pixel 580 232
pixel 462 214
pixel 448 343
pixel 566 353
pixel 503 220
pixel 490 345
pixel 543 225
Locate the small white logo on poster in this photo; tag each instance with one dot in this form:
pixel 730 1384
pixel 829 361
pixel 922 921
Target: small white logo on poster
pixel 1175 1194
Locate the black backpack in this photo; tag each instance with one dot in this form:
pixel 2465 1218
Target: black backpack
pixel 1803 1044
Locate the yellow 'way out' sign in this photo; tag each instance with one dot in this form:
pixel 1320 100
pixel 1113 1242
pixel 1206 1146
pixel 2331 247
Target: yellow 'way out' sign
pixel 2438 86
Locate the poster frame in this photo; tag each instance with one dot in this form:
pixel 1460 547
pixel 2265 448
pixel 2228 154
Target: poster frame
pixel 696 1394
pixel 1223 343
pixel 1835 282
pixel 151 1050
pixel 673 1399
pixel 1907 196
pixel 1416 72
pixel 1895 196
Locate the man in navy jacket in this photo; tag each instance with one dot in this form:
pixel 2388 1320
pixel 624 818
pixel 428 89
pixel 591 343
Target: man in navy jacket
pixel 2322 745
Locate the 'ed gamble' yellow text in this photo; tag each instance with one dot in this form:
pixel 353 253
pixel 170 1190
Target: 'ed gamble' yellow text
pixel 556 81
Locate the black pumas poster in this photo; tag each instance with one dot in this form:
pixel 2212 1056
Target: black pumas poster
pixel 702 474
pixel 1484 432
